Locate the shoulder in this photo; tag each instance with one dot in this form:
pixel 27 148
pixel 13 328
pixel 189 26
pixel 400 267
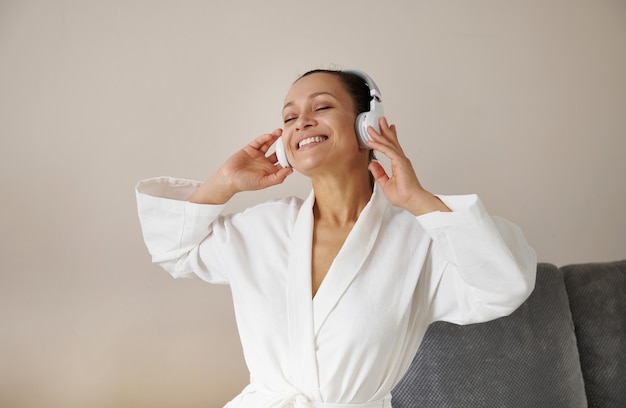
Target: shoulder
pixel 290 203
pixel 402 220
pixel 398 222
pixel 282 210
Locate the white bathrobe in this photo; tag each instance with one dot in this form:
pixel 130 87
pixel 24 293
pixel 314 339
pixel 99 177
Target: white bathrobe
pixel 350 344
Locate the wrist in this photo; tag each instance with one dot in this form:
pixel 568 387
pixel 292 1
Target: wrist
pixel 425 202
pixel 213 191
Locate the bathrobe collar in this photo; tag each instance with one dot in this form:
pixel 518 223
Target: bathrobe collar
pixel 306 316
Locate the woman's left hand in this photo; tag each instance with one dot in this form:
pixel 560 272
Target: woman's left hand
pixel 403 188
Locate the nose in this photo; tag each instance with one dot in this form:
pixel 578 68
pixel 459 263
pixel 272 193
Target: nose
pixel 305 120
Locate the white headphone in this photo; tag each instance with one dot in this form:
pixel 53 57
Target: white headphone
pixel 363 120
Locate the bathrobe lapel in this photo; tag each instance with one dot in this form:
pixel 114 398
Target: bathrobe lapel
pixel 307 316
pixel 349 260
pixel 304 373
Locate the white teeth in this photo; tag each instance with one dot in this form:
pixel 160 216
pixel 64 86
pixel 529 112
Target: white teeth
pixel 314 139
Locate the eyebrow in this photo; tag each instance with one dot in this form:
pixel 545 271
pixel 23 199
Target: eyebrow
pixel 312 96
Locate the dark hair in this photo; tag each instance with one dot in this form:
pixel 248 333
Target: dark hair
pixel 355 86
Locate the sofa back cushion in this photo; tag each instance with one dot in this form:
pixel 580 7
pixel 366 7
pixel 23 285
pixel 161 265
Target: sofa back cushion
pixel 528 359
pixel 597 296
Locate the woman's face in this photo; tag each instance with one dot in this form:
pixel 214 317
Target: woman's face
pixel 319 117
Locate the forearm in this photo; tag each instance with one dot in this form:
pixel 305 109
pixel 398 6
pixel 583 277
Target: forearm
pixel 213 191
pixel 173 228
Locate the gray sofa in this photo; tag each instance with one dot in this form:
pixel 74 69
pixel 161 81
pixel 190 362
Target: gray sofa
pixel 564 347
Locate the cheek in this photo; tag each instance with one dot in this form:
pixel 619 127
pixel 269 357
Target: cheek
pixel 349 132
pixel 286 137
pixel 345 126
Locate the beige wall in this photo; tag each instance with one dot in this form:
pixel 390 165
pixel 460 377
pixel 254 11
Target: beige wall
pixel 523 102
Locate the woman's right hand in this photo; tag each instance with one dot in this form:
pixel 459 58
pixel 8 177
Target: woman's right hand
pixel 248 169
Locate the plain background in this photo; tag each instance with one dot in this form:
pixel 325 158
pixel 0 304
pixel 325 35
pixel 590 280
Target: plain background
pixel 522 102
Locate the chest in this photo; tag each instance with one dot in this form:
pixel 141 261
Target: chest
pixel 326 245
pixel 366 275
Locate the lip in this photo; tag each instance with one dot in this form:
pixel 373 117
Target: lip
pixel 306 136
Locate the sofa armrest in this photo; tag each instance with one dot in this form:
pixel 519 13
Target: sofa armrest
pixel 528 359
pixel 597 297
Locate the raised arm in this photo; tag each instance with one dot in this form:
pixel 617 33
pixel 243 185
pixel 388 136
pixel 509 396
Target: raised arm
pixel 482 266
pixel 402 188
pixel 248 169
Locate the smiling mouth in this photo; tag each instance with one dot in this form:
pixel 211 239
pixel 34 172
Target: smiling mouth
pixel 313 139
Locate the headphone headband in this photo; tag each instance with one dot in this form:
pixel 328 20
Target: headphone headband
pixel 374 91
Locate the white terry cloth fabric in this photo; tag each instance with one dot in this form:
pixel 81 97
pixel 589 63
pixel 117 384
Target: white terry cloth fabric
pixel 352 342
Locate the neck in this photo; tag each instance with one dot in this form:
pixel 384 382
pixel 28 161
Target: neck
pixel 340 201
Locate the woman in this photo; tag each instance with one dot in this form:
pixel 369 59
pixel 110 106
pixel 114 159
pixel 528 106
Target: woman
pixel 334 293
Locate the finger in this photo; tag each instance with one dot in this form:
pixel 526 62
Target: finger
pixel 278 176
pixel 274 137
pixel 375 136
pixel 273 158
pixel 379 173
pixel 389 148
pixel 386 129
pixel 266 140
pixel 260 141
pixel 385 141
pixel 387 134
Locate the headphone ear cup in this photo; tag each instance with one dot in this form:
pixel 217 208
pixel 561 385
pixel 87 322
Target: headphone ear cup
pixel 366 119
pixel 361 130
pixel 281 155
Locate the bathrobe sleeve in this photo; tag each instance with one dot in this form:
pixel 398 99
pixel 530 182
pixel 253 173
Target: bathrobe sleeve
pixel 481 266
pixel 173 228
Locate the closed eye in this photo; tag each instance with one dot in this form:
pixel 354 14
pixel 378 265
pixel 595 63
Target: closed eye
pixel 320 108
